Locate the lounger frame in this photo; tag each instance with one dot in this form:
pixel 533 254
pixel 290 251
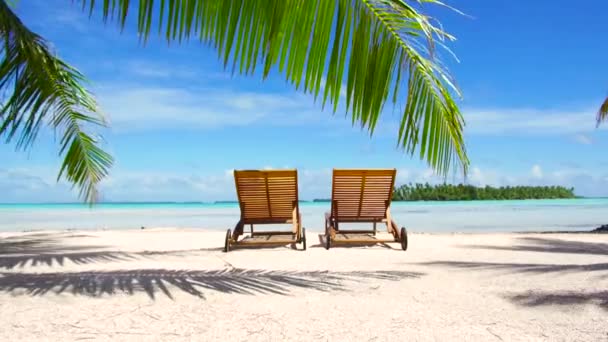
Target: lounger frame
pixel 267 197
pixel 362 196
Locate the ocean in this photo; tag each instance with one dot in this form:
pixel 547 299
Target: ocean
pixel 465 216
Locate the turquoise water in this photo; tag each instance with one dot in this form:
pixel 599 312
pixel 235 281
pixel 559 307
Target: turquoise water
pixel 520 215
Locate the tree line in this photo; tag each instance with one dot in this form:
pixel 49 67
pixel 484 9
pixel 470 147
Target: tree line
pixel 463 192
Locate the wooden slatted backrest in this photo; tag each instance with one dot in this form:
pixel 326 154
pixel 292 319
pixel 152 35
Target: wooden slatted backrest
pixel 361 195
pixel 268 195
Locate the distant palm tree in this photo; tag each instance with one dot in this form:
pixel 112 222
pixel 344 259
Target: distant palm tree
pixel 377 48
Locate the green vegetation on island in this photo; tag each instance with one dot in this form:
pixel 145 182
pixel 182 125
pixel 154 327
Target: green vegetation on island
pixel 462 192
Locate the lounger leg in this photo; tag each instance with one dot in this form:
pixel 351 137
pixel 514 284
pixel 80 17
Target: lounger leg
pixel 330 223
pixel 395 230
pixel 238 230
pixel 329 235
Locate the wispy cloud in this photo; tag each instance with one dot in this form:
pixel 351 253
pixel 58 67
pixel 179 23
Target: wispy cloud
pixel 135 186
pixel 31 185
pixel 67 17
pixel 577 125
pixel 528 121
pixel 536 172
pixel 145 70
pixel 584 139
pixel 136 108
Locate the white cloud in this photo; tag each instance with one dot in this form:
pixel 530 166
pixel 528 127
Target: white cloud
pixel 23 185
pixel 577 125
pixel 537 172
pixel 67 17
pixel 403 176
pixel 528 121
pixel 145 186
pixel 478 177
pixel 154 70
pixel 136 108
pixel 138 186
pixel 584 139
pixel 33 185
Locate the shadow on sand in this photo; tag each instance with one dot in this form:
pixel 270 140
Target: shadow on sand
pixel 523 267
pixel 542 298
pixel 50 249
pixel 547 245
pixel 153 281
pixel 321 244
pixel 543 245
pixel 561 298
pixel 53 249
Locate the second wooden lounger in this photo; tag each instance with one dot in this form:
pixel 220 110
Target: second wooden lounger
pixel 362 196
pixel 267 197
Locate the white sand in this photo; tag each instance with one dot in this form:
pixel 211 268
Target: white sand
pixel 159 285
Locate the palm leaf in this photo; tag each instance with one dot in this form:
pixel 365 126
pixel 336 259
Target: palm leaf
pixel 372 46
pixel 40 88
pixel 602 114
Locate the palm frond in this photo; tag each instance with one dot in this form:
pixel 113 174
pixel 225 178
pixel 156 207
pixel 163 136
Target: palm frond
pixel 373 46
pixel 602 114
pixel 40 88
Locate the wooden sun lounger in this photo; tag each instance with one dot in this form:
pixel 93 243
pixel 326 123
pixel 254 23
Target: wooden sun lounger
pixel 267 197
pixel 362 196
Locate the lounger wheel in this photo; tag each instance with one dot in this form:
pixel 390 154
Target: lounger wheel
pixel 227 241
pixel 304 239
pixel 403 239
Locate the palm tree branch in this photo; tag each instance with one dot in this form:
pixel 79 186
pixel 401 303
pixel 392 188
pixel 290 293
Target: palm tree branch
pixel 433 99
pixel 602 114
pixel 41 88
pixel 374 42
pixel 320 45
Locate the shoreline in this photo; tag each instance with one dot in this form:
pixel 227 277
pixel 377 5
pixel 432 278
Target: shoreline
pixel 594 231
pixel 577 215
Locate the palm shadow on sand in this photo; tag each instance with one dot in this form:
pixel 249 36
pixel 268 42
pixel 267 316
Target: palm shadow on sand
pixel 542 298
pixel 548 245
pixel 560 298
pixel 51 249
pixel 539 298
pixel 193 282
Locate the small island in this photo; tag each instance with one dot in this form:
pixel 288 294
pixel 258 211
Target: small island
pixel 463 192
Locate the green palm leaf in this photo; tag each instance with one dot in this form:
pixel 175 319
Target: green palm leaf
pixel 602 114
pixel 40 88
pixel 375 47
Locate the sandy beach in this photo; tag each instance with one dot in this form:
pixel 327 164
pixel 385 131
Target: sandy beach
pixel 170 284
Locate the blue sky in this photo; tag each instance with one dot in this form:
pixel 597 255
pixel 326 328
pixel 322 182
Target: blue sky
pixel 532 72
